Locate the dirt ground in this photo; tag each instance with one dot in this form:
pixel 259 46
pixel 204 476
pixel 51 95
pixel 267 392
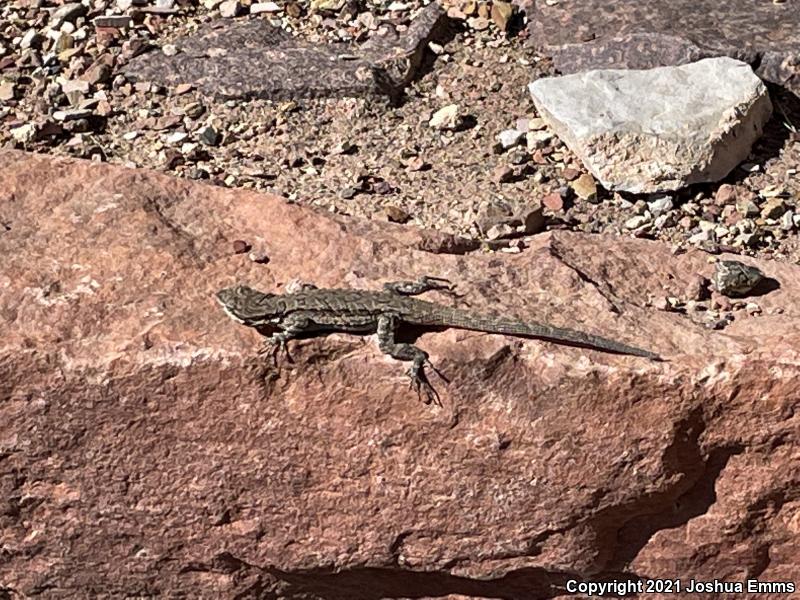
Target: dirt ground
pixel 366 158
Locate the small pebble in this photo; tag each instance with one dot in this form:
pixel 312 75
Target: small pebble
pixel 396 214
pixel 752 309
pixel 510 138
pixel 553 201
pixel 240 247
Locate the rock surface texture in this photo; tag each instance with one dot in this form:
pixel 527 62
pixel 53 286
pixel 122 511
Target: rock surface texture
pixel 641 34
pixel 657 129
pixel 253 59
pixel 147 450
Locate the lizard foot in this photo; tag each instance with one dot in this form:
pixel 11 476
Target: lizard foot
pixel 273 346
pixel 440 284
pixel 421 384
pixel 424 284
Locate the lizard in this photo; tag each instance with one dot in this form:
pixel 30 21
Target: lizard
pixel 312 311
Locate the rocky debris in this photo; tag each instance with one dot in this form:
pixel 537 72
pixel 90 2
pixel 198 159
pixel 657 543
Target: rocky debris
pixel 254 59
pixel 658 129
pixel 735 279
pixel 711 307
pixel 142 430
pixel 635 35
pixel 499 220
pixel 443 184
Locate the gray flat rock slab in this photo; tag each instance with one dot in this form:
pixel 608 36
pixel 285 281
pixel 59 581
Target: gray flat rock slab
pixel 232 59
pixel 641 34
pixel 659 129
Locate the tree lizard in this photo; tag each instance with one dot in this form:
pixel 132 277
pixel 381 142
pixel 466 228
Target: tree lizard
pixel 313 311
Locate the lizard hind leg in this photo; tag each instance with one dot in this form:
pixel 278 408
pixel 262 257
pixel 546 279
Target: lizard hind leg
pixel 387 325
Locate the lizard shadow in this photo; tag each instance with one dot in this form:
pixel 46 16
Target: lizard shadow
pixel 410 334
pixel 764 287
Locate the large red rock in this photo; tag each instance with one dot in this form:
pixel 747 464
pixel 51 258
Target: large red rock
pixel 147 450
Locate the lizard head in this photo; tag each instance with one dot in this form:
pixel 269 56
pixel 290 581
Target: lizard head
pixel 249 306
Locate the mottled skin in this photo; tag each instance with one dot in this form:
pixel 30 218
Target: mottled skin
pixel 321 311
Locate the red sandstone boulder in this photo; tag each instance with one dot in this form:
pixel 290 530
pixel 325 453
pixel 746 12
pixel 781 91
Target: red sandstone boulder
pixel 146 448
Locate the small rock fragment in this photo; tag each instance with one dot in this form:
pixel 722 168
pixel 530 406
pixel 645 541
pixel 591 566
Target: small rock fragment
pixel 259 257
pixel 736 279
pixel 230 9
pixel 585 187
pixel 8 91
pixel 745 205
pixel 720 302
pixel 502 174
pixel 501 14
pixel 240 247
pixel 661 303
pixel 698 289
pixel 787 221
pixel 519 156
pixel 24 134
pixel 349 192
pixel 437 242
pixel 115 21
pixel 553 201
pixel 498 231
pixel 538 139
pixel 30 39
pixel 72 115
pixel 636 222
pixel 726 193
pixel 659 204
pixel 510 138
pixel 773 208
pixel 396 214
pixel 345 147
pixel 446 118
pixel 182 88
pixel 478 23
pixel 209 135
pixel 67 12
pixel 570 174
pixel 262 7
pixel 752 309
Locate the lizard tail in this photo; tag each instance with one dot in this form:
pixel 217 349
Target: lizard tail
pixel 503 325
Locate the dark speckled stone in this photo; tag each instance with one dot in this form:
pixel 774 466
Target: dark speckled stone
pixel 641 34
pixel 252 59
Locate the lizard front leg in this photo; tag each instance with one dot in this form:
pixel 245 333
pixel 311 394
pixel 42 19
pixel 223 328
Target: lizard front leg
pixel 420 286
pixel 291 326
pixel 387 326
